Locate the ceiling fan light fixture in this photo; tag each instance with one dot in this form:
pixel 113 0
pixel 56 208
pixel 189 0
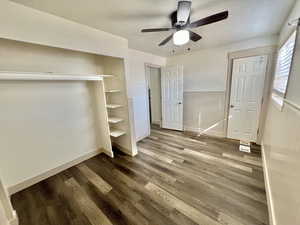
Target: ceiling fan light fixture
pixel 181 37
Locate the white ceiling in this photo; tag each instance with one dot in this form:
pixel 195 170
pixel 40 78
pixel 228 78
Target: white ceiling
pixel 247 19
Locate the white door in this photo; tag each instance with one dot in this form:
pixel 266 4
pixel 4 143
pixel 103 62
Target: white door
pixel 248 76
pixel 172 97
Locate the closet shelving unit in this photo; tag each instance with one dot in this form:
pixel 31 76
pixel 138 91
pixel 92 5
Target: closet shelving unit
pixel 109 82
pixel 111 103
pixel 118 107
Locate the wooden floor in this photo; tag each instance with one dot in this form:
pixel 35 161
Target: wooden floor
pixel 175 179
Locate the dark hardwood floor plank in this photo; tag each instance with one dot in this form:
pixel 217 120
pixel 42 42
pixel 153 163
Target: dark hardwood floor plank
pixel 176 179
pixel 181 206
pixel 87 206
pixel 95 179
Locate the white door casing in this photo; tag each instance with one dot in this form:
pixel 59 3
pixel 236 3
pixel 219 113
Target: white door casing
pixel 248 77
pixel 172 97
pixel 7 213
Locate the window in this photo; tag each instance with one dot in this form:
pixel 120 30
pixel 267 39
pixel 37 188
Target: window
pixel 283 69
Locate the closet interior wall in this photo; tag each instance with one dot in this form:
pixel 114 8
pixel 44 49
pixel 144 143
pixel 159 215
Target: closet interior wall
pixel 47 126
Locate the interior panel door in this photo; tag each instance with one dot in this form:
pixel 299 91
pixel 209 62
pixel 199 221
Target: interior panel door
pixel 172 97
pixel 248 77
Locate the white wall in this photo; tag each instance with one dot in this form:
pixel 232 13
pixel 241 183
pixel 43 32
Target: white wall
pixel 138 90
pixel 281 145
pixel 205 76
pixel 155 87
pixel 44 124
pixel 22 23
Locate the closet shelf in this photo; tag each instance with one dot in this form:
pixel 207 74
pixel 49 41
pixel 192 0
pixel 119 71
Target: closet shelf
pixel 116 133
pixel 107 76
pixel 114 120
pixel 10 75
pixel 113 91
pixel 113 106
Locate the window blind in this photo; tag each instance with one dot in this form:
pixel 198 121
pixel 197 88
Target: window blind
pixel 283 66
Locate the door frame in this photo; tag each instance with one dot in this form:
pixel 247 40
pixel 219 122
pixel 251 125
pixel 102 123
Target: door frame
pixel 147 93
pixel 10 215
pixel 270 51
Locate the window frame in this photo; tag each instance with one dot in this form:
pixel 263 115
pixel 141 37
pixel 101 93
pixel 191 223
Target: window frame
pixel 277 96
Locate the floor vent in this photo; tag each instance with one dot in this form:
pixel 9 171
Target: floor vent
pixel 245 147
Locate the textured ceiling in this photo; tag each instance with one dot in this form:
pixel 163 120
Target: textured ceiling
pixel 247 19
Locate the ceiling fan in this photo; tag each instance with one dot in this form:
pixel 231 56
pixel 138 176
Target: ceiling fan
pixel 181 24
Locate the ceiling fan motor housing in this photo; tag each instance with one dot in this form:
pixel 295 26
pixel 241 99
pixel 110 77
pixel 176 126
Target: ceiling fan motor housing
pixel 178 25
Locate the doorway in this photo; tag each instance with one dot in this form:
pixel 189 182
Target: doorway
pixel 153 78
pixel 246 97
pixel 172 97
pixel 165 96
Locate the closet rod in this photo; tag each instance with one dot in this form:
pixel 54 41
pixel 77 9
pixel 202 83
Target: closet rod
pixel 47 76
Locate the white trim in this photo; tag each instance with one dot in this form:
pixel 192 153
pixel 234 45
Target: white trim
pixel 9 214
pixel 292 104
pixel 11 75
pixel 147 68
pixel 203 91
pixel 109 153
pixel 44 175
pixel 277 101
pixel 14 220
pixel 142 137
pixel 272 217
pixel 200 130
pixel 157 122
pixel 125 150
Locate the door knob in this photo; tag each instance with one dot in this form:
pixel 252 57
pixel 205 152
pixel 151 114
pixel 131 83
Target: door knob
pixel 231 106
pixel 179 103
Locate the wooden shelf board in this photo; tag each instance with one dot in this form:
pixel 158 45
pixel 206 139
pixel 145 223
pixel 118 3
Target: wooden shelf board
pixel 113 91
pixel 114 120
pixel 10 75
pixel 107 76
pixel 116 133
pixel 113 106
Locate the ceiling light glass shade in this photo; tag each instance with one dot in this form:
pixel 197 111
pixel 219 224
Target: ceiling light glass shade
pixel 181 37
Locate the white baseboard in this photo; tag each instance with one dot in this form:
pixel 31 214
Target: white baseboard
pixel 15 220
pixel 12 221
pixel 44 175
pixel 158 122
pixel 125 150
pixel 199 130
pixel 272 217
pixel 142 137
pixel 109 153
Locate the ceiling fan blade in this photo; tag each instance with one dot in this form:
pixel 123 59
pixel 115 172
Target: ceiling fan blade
pixel 183 12
pixel 210 19
pixel 194 37
pixel 166 40
pixel 155 30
